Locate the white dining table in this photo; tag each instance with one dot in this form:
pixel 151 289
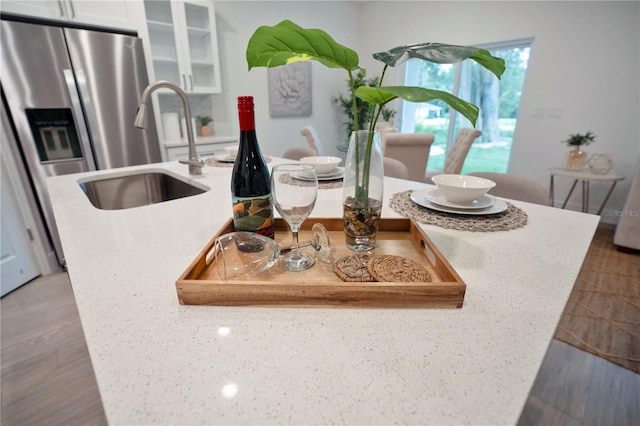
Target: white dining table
pixel 162 363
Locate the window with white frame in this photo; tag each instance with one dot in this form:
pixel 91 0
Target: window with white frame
pixel 498 99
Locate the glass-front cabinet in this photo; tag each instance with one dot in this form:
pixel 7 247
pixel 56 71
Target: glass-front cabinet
pixel 183 43
pixel 181 46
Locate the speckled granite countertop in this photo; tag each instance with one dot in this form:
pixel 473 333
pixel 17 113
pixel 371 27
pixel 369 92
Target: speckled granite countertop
pixel 157 362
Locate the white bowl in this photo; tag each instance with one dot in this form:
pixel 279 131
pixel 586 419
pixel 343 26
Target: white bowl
pixel 323 164
pixel 462 189
pixel 232 151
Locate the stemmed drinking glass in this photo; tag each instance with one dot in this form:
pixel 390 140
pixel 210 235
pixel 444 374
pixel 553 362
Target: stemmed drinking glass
pixel 294 188
pixel 245 255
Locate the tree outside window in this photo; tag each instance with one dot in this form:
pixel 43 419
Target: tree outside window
pixel 498 100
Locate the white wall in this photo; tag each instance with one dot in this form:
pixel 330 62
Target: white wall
pixel 585 61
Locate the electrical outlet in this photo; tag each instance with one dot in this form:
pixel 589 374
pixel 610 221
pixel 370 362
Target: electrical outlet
pixel 538 113
pixel 555 113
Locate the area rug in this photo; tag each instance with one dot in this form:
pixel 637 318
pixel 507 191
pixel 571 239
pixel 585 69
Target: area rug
pixel 602 315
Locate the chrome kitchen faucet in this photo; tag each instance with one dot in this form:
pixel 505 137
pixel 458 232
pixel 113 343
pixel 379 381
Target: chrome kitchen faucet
pixel 195 163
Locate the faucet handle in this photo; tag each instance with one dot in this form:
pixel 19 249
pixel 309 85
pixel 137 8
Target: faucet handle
pixel 198 162
pixel 195 165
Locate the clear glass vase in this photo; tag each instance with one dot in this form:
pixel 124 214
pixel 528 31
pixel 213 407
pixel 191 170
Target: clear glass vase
pixel 362 193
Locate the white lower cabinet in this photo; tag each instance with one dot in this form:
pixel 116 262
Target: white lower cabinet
pixel 208 148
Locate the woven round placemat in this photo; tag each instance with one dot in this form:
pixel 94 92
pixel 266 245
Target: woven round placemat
pixel 353 268
pixel 392 268
pixel 213 162
pixel 512 218
pixel 322 184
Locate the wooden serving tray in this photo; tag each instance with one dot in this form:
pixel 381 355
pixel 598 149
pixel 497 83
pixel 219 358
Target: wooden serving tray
pixel 319 286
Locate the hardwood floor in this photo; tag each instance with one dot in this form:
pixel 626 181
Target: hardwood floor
pixel 47 377
pixel 46 372
pixel 574 387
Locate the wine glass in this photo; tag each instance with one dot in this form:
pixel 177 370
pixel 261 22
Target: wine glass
pixel 294 188
pixel 319 242
pixel 243 255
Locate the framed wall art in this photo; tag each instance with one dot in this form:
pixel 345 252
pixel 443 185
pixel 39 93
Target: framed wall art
pixel 290 90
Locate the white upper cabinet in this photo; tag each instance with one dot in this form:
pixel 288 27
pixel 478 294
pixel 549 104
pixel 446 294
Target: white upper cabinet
pixel 41 9
pixel 183 44
pixel 104 13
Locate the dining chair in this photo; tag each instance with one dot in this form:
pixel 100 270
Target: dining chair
pixel 412 149
pixel 309 132
pixel 457 153
pixel 395 168
pixel 516 188
pixel 384 131
pixel 297 152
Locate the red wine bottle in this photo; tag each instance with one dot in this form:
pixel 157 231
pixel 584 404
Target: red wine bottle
pixel 250 179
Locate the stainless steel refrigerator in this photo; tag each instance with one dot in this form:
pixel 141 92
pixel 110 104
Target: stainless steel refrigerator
pixel 72 96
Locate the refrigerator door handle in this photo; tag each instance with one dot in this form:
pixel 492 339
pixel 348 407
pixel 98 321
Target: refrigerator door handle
pixel 191 81
pixel 61 9
pixel 77 111
pixel 73 11
pixel 184 80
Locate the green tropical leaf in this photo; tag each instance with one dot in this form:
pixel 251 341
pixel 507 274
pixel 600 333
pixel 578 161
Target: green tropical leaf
pixel 287 42
pixel 441 53
pixel 375 95
pixel 382 95
pixel 494 64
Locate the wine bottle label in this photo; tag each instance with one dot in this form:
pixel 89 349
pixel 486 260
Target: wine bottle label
pixel 254 214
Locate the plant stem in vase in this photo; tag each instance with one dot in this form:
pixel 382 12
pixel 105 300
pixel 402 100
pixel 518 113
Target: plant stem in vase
pixel 363 190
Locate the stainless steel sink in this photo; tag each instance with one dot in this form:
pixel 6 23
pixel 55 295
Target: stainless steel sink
pixel 117 192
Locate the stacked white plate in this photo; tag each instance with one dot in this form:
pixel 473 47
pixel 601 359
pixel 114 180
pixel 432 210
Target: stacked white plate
pixel 435 200
pixel 225 158
pixel 337 173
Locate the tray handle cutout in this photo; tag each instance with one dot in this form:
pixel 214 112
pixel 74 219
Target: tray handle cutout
pixel 428 252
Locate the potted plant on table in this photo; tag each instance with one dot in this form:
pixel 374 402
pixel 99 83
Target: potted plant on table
pixel 204 121
pixel 286 42
pixel 576 158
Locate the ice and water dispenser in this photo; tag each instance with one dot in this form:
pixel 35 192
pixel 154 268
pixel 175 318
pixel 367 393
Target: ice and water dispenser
pixel 54 134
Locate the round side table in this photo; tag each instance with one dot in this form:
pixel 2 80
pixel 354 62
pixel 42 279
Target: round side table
pixel 585 177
